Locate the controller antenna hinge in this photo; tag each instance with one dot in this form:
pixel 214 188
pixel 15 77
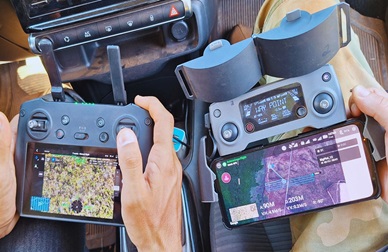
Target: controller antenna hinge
pixel 50 63
pixel 116 75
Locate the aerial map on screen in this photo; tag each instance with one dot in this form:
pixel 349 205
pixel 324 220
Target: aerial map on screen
pixel 289 178
pixel 76 185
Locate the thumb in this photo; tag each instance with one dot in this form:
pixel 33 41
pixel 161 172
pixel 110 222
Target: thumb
pixel 14 129
pixel 6 151
pixel 130 160
pixel 372 102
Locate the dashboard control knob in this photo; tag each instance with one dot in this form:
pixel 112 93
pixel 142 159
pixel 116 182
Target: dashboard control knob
pixel 180 30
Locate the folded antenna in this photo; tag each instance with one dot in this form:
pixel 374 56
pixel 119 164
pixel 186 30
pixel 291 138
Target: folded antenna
pixel 116 75
pixel 50 63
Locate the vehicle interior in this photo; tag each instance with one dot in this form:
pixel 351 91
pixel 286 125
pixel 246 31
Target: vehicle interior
pixel 158 36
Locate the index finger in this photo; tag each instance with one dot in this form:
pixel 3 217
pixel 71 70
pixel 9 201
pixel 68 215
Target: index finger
pixel 373 102
pixel 164 122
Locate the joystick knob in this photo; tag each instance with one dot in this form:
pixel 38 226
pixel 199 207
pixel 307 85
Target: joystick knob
pixel 126 123
pixel 37 125
pixel 323 103
pixel 32 124
pixel 229 132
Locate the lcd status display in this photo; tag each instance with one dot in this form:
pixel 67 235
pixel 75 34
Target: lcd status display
pixel 274 107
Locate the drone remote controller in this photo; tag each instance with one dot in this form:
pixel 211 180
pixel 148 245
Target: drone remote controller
pixel 313 100
pixel 67 164
pixel 66 157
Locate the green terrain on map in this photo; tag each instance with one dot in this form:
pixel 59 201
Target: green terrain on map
pixel 89 181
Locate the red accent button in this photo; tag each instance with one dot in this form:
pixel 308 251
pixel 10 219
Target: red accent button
pixel 249 127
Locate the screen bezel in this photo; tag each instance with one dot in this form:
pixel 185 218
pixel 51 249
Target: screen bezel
pixel 30 179
pixel 367 149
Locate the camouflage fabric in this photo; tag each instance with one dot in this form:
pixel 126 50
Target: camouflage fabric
pixel 356 227
pixel 350 64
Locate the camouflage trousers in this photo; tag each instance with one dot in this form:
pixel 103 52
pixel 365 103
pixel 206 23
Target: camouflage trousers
pixel 356 227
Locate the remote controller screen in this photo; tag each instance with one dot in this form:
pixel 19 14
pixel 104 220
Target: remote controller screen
pixel 274 107
pixel 72 180
pixel 308 173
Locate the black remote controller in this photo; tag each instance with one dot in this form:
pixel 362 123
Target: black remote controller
pixel 66 156
pixel 66 159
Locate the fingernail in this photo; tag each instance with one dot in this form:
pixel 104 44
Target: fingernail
pixel 353 108
pixel 361 91
pixel 126 137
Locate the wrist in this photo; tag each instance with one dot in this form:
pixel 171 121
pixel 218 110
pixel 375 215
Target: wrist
pixel 8 225
pixel 176 247
pixel 170 243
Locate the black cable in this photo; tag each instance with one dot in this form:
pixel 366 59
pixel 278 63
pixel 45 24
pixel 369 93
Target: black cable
pixel 175 138
pixel 74 95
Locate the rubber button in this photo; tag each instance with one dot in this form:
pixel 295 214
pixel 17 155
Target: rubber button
pixel 81 136
pixel 326 77
pixel 249 127
pixel 100 122
pixel 301 112
pixel 109 27
pixel 104 137
pixel 87 32
pixel 217 113
pixel 59 134
pixel 65 120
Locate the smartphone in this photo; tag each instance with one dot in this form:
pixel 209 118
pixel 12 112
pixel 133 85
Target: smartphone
pixel 314 171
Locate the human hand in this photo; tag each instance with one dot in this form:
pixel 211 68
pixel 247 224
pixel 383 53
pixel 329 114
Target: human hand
pixel 8 214
pixel 151 201
pixel 373 102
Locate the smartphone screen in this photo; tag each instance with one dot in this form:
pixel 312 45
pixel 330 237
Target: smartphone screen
pixel 317 170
